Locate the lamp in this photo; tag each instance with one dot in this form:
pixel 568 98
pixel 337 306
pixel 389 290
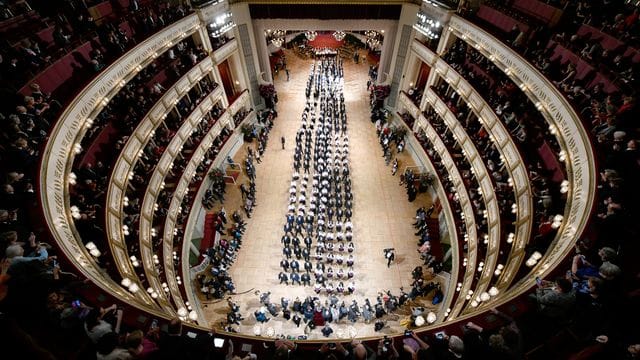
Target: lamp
pixel 193 316
pixel 431 317
pixel 419 321
pixel 339 35
pixel 427 26
pixel 182 312
pixel 310 35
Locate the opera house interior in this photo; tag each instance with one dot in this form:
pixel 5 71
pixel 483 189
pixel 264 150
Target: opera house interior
pixel 291 179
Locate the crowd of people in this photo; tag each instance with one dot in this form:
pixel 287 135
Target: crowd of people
pixel 26 54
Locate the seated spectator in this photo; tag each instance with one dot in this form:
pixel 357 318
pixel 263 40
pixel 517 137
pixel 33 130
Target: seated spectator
pixel 555 300
pixel 108 348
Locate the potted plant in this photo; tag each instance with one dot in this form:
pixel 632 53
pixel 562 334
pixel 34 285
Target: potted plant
pixel 426 180
pixel 247 132
pixel 268 93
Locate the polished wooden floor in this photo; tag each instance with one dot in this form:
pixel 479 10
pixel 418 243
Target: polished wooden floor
pixel 382 214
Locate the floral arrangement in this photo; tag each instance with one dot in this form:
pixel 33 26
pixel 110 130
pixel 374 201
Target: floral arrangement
pixel 267 91
pixel 381 91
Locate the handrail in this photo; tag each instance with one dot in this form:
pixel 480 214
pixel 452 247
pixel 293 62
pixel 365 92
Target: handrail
pixel 484 180
pixel 465 204
pixel 154 189
pixel 571 135
pixel 449 219
pixel 190 223
pixel 59 154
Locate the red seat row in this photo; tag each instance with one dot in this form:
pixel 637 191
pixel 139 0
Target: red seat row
pixel 499 19
pixel 539 10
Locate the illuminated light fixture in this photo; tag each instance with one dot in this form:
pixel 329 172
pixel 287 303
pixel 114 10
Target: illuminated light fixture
pixel 125 282
pixel 125 230
pixel 182 312
pixel 95 252
pixel 536 255
pixel 131 175
pixel 557 221
pixel 277 42
pixel 539 106
pixel 125 201
pixel 221 25
pixel 562 155
pixel 154 295
pixel 310 34
pixel 470 292
pixel 552 129
pixel 339 35
pixel 485 296
pixel 468 297
pixel 72 178
pixel 514 209
pixel 474 303
pixel 150 290
pixel 510 182
pixel 530 262
pixel 90 246
pixel 134 261
pixel 497 272
pixel 493 291
pixel 419 321
pixel 88 123
pixel 193 316
pixel 271 332
pixel 77 148
pixel 427 26
pixel 134 288
pixel 564 186
pixel 510 238
pixel 431 317
pixel 75 212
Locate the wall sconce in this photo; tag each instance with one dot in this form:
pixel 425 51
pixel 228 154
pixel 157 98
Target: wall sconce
pixel 134 261
pixel 431 317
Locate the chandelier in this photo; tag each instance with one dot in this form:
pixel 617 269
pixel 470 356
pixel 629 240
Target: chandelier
pixel 373 38
pixel 221 25
pixel 427 26
pixel 310 35
pixel 339 35
pixel 277 42
pixel 371 33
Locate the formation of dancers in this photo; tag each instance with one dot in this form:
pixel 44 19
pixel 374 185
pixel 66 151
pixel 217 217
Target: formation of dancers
pixel 317 235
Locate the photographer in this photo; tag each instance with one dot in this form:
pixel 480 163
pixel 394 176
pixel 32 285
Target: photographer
pixel 387 349
pixel 412 344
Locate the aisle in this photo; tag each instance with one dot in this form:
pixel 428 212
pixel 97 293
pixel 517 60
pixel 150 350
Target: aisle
pixel 382 215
